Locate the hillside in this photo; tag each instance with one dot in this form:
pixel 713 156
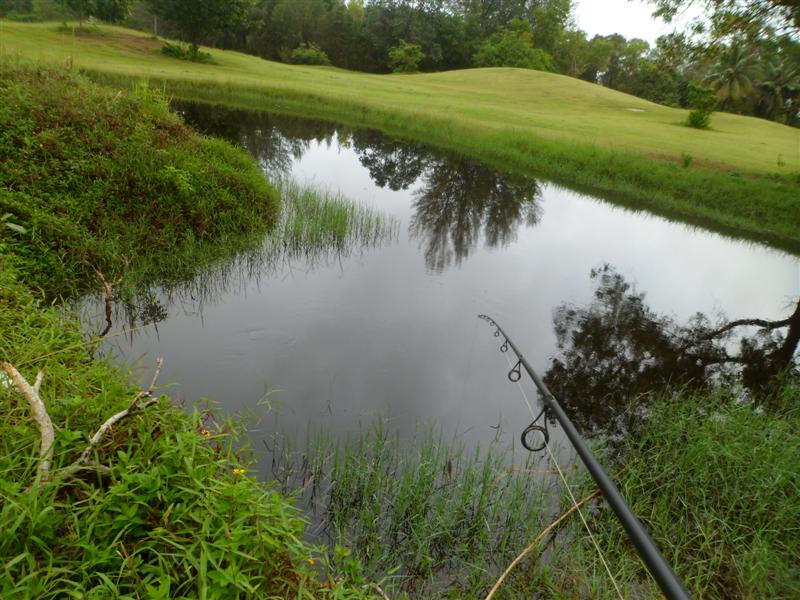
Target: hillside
pixel 545 104
pixel 573 132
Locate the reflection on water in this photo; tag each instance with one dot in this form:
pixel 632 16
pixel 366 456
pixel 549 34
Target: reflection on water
pixel 391 331
pixel 614 350
pixel 457 201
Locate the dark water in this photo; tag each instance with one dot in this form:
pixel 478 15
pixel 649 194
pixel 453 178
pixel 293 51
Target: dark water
pixel 391 331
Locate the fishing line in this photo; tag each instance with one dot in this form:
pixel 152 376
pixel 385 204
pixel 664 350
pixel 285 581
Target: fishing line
pixel 546 445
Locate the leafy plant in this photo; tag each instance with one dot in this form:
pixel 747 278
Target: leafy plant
pixel 183 52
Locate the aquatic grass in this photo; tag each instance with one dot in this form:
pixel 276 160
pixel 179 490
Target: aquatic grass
pixel 442 521
pixel 315 220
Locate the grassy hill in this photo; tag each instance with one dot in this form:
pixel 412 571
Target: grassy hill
pixel 743 174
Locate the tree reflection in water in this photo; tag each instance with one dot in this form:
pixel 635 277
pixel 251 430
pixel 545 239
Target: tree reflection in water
pixel 616 351
pixel 457 202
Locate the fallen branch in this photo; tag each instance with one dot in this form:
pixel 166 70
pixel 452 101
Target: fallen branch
pixel 136 406
pixel 538 539
pixel 46 432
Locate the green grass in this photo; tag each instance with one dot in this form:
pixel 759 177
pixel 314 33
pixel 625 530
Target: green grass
pixel 94 179
pixel 171 520
pixel 429 518
pixel 315 221
pixel 717 485
pixel 743 176
pixel 714 481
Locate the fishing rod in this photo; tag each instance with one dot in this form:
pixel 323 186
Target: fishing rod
pixel 659 568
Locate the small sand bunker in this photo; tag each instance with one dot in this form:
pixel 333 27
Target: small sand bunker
pixel 635 109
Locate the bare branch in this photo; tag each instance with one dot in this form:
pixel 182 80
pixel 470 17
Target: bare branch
pixel 747 322
pixel 40 415
pixel 136 406
pixel 38 383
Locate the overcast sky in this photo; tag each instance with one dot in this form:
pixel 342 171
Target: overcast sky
pixel 630 18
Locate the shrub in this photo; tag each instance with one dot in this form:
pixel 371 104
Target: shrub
pixel 702 101
pixel 405 57
pixel 183 52
pixel 309 54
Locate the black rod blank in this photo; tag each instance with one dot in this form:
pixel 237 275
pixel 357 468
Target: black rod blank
pixel 662 572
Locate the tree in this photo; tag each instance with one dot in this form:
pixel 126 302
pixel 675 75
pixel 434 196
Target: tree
pixel 702 101
pixel 106 10
pixel 405 57
pixel 780 83
pixel 733 75
pixel 616 352
pixel 750 17
pixel 513 47
pixel 195 19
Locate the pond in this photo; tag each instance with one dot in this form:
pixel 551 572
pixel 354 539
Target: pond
pixel 390 330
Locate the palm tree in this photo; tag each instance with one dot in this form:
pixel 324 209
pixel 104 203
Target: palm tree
pixel 780 83
pixel 734 74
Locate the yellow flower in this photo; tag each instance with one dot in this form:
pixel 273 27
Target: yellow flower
pixel 238 471
pixel 310 561
pixel 205 432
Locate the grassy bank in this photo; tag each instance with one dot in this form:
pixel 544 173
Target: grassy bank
pixel 742 175
pixel 161 505
pixel 115 182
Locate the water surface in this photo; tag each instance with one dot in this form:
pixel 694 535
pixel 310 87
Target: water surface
pixel 390 331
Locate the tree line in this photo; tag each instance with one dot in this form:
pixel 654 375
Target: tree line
pixel 747 51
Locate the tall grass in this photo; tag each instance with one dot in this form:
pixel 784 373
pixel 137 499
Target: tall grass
pixel 717 484
pixel 441 521
pixel 316 221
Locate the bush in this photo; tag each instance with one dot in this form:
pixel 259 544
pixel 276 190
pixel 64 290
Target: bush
pixel 191 53
pixel 405 57
pixel 309 54
pixel 702 101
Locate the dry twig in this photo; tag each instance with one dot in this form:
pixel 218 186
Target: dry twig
pixel 139 403
pixel 538 539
